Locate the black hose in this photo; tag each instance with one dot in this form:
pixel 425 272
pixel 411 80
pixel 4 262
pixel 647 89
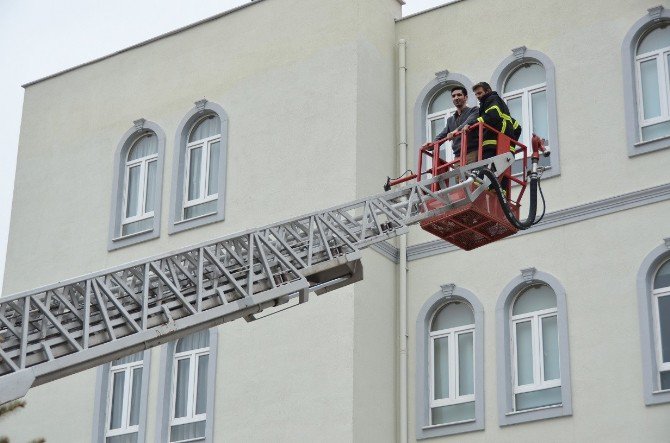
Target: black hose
pixel 532 209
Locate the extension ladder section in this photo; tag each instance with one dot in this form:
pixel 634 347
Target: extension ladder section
pixel 57 330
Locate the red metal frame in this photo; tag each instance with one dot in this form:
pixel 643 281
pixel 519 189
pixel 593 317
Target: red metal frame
pixel 482 221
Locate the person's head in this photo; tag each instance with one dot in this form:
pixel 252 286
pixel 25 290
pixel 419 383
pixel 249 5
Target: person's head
pixel 480 89
pixel 459 95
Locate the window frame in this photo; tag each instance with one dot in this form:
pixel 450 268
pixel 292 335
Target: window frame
pixel 526 110
pixel 655 17
pixel 661 57
pixel 444 80
pixel 166 378
pixel 143 164
pixel 647 297
pixel 193 356
pixel 535 318
pixel 452 335
pixel 205 163
pixel 506 357
pixel 180 169
pixel 119 199
pixel 424 363
pixel 102 401
pixel 128 381
pixel 522 56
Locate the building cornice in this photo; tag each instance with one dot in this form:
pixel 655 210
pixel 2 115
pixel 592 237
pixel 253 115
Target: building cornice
pixel 551 220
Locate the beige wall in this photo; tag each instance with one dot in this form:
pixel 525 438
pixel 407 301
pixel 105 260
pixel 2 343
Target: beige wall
pixel 309 92
pixel 595 260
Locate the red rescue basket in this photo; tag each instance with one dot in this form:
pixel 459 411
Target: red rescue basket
pixel 476 217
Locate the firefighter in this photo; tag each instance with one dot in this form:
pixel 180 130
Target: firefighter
pixel 494 112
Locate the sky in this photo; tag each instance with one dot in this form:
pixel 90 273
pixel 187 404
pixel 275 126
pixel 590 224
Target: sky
pixel 41 37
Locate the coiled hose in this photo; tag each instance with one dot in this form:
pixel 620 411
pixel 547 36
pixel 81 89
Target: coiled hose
pixel 532 209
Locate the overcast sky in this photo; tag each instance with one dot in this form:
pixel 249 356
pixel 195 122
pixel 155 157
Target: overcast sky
pixel 42 37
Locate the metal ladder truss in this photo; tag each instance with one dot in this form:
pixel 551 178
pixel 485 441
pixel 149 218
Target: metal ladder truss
pixel 58 330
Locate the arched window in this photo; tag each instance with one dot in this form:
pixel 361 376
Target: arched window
pixel 202 167
pixel 137 188
pixel 525 91
pixel 526 81
pixel 532 349
pixel 189 387
pixel 646 78
pixel 535 355
pixel 452 364
pixel 439 110
pixel 652 68
pixel 140 185
pixel 661 316
pixel 122 391
pixel 653 292
pixel 199 168
pixel 449 368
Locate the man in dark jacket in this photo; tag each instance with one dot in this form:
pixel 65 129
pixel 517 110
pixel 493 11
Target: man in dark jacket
pixel 494 112
pixel 457 121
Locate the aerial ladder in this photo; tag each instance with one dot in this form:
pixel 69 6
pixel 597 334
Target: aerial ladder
pixel 60 329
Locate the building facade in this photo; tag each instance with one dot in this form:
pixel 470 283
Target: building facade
pixel 283 107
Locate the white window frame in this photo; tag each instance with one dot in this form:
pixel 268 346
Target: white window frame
pixel 143 164
pixel 662 72
pixel 539 383
pixel 444 115
pixel 190 417
pixel 205 144
pixel 661 365
pixel 128 369
pixel 454 398
pixel 526 111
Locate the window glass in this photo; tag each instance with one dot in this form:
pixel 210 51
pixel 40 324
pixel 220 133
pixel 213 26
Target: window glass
pixel 441 355
pixel 207 127
pixel 132 207
pixel 536 399
pixel 134 419
pixel 658 38
pixel 143 147
pixel 194 341
pixel 201 390
pixel 524 353
pixel 453 413
pixel 662 279
pixel 453 315
pixel 664 319
pixel 539 113
pixel 651 101
pixel 550 349
pixel 151 187
pixel 527 75
pixel 441 102
pixel 181 393
pixel 194 172
pixel 535 298
pixel 212 179
pixel 466 360
pixel 665 380
pixel 116 416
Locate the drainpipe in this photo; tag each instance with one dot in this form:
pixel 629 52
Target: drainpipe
pixel 402 250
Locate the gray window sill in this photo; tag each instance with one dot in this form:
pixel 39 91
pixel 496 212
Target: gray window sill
pixel 472 420
pixel 543 408
pixel 194 218
pixel 136 234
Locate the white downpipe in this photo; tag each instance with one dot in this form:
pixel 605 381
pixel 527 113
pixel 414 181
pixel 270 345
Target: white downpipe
pixel 402 250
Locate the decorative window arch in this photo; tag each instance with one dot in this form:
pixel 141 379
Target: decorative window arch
pixel 645 53
pixel 450 364
pixel 138 183
pixel 121 397
pixel 199 168
pixel 653 294
pixel 532 349
pixel 188 377
pixel 432 108
pixel 526 81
